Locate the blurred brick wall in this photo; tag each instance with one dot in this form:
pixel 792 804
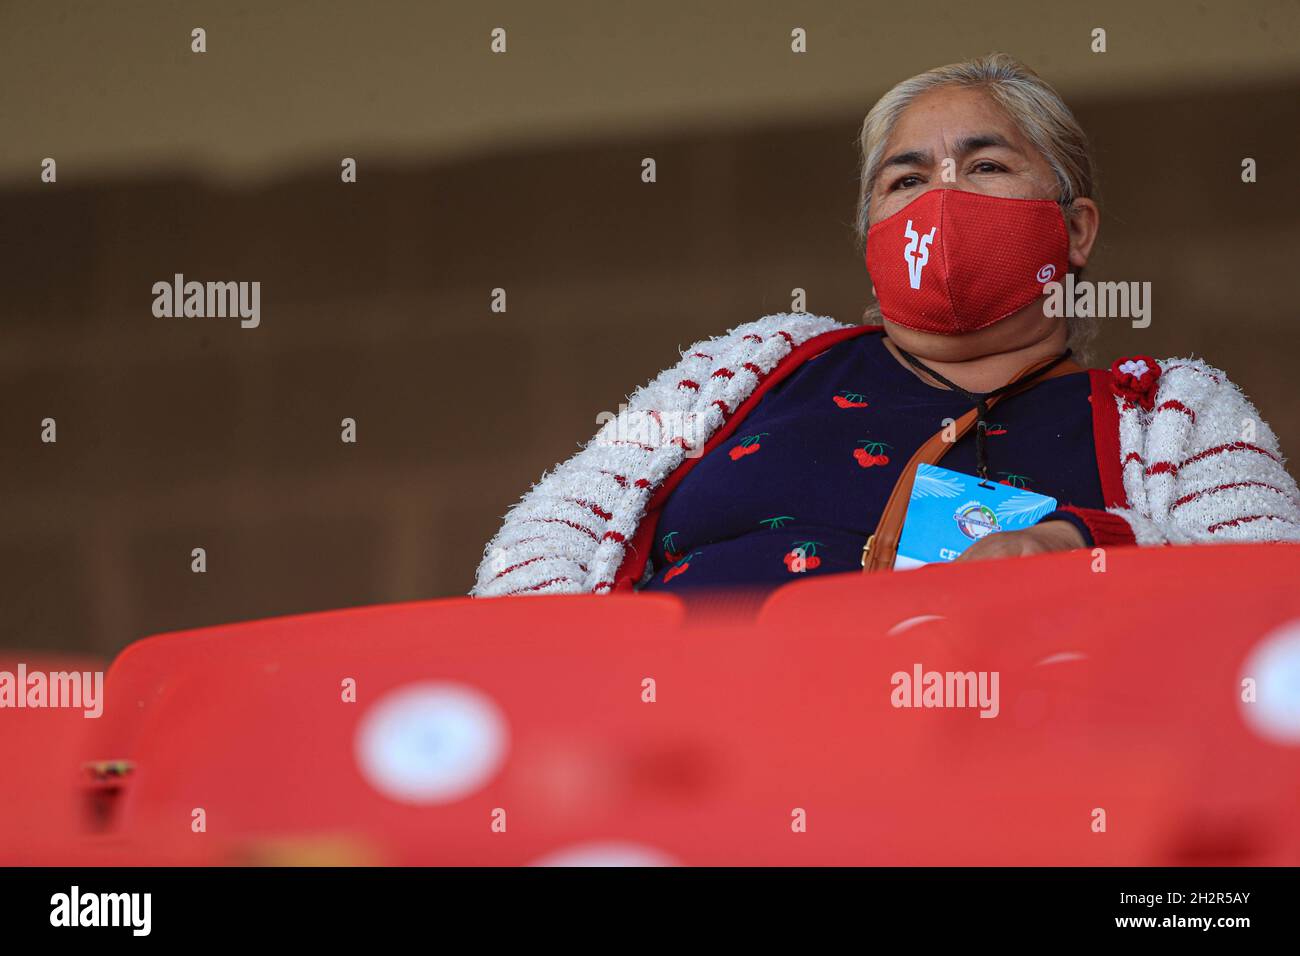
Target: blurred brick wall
pixel 182 433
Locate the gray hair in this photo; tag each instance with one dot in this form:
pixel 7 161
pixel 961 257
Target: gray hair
pixel 1036 109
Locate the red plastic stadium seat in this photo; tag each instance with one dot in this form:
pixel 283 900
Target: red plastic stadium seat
pixel 1122 688
pixel 39 750
pixel 517 731
pixel 249 724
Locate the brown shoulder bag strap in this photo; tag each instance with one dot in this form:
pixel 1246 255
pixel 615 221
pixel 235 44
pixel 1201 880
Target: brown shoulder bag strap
pixel 881 548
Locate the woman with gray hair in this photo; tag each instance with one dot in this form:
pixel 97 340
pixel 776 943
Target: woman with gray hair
pixel 798 445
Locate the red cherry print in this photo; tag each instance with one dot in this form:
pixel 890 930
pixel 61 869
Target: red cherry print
pixel 849 400
pixel 747 446
pixel 865 460
pixel 807 550
pixel 841 401
pixel 670 552
pixel 871 453
pixel 679 568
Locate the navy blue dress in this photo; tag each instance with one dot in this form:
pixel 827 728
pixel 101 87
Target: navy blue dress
pixel 813 464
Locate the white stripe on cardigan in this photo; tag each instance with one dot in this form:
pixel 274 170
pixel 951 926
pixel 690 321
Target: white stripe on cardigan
pixel 1201 466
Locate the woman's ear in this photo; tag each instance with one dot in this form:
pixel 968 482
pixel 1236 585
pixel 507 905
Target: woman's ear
pixel 1082 223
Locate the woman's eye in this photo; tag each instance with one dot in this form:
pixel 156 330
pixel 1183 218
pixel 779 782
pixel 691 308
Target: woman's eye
pixel 986 166
pixel 906 182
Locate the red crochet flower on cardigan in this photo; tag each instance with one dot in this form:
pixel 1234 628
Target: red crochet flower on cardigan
pixel 1134 379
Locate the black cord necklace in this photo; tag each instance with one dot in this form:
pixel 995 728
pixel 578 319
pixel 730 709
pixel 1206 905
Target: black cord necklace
pixel 981 399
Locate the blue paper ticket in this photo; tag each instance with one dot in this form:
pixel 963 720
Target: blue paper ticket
pixel 949 511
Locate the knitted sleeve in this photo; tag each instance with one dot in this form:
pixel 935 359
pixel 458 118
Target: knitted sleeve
pixel 573 519
pixel 1199 466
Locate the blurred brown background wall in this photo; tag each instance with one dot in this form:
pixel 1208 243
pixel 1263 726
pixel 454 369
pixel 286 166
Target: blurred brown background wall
pixel 519 171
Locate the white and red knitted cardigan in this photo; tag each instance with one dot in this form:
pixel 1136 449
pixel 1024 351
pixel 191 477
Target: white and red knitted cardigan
pixel 1183 457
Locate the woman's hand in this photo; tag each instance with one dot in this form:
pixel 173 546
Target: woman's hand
pixel 1040 539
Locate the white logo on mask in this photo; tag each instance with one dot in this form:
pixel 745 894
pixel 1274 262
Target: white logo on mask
pixel 917 252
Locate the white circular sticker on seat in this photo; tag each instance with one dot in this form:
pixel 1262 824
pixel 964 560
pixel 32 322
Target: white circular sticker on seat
pixel 1274 666
pixel 607 854
pixel 431 742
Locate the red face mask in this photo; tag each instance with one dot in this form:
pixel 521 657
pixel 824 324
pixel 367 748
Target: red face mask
pixel 952 262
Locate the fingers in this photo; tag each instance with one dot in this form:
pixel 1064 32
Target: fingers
pixel 991 547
